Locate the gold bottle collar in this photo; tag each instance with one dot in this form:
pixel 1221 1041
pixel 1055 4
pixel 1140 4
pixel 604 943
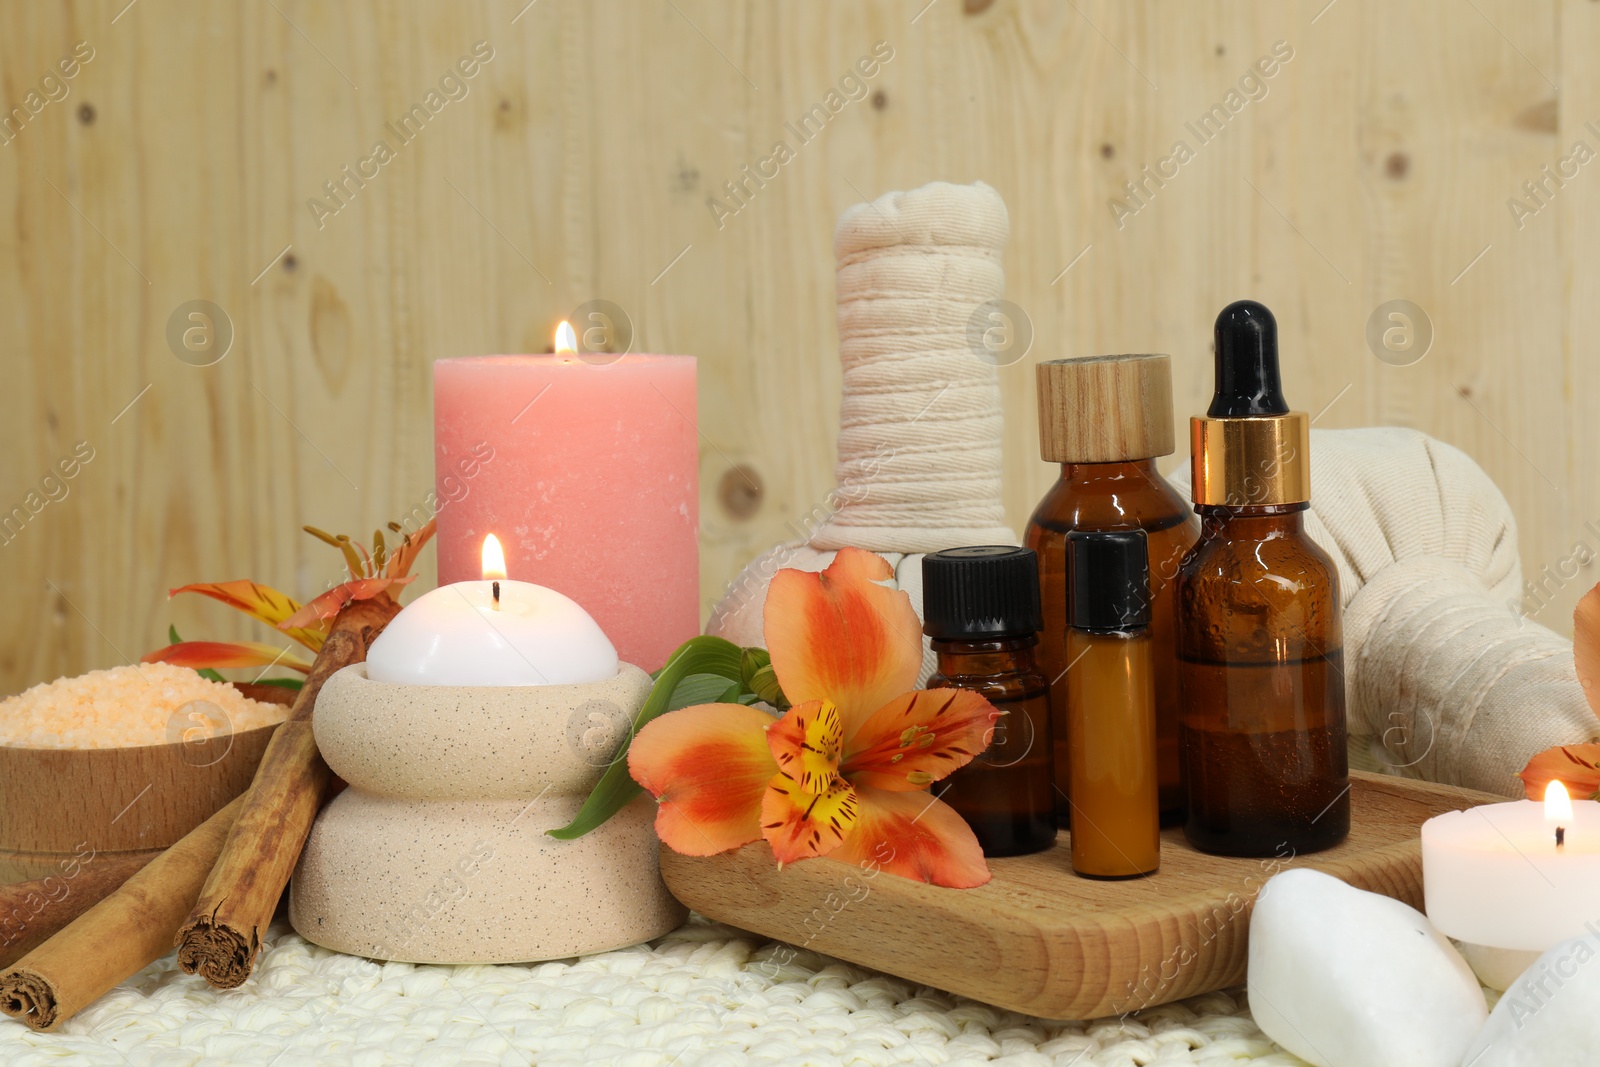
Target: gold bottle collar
pixel 1251 461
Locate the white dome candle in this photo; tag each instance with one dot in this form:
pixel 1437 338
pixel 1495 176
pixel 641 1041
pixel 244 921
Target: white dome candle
pixel 492 632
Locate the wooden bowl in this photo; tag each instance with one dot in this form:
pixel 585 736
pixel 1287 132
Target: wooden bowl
pixel 59 806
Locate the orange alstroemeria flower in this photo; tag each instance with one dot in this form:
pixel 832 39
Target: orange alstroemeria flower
pixel 1576 766
pixel 372 573
pixel 845 772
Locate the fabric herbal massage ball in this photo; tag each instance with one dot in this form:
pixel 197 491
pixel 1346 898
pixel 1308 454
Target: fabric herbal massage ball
pixel 919 448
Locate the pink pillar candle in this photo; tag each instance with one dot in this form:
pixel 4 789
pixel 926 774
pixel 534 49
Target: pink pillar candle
pixel 588 474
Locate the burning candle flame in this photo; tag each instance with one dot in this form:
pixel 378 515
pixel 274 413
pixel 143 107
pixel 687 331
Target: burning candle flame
pixel 494 558
pixel 566 338
pixel 1557 805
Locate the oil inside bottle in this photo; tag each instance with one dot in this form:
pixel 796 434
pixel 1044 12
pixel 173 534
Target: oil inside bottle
pixel 1005 793
pixel 1267 789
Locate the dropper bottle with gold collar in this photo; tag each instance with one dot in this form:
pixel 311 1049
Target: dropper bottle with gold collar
pixel 1259 641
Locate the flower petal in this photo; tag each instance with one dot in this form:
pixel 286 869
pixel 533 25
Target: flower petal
pixel 707 766
pixel 405 554
pixel 840 636
pixel 221 655
pixel 1577 767
pixel 261 601
pixel 1586 646
pixel 919 738
pixel 914 835
pixel 800 825
pixel 329 604
pixel 806 743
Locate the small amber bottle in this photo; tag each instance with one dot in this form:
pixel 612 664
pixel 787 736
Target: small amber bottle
pixel 1106 419
pixel 981 607
pixel 1116 823
pixel 1259 626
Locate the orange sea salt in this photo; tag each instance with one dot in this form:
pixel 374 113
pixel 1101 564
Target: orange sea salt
pixel 151 704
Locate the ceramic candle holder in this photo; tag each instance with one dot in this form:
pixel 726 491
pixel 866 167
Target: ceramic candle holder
pixel 437 853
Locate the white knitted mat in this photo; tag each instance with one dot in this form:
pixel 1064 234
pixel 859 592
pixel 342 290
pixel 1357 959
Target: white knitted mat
pixel 700 995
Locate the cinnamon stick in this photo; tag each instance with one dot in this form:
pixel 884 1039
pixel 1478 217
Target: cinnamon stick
pixel 33 912
pixel 222 936
pixel 118 937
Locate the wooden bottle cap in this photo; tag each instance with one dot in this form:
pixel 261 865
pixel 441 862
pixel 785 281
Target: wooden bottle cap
pixel 1105 409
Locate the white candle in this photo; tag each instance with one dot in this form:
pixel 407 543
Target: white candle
pixel 1494 875
pixel 492 632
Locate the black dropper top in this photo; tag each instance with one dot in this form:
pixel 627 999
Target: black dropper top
pixel 985 591
pixel 1247 363
pixel 1110 580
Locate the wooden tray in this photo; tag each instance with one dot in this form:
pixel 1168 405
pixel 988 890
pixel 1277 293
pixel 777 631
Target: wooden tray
pixel 1040 940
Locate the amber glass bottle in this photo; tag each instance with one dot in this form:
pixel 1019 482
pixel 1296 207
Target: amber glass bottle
pixel 1105 419
pixel 1259 635
pixel 981 607
pixel 1116 825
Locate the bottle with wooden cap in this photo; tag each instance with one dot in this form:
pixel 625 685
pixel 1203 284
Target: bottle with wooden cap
pixel 1259 638
pixel 1106 419
pixel 1116 823
pixel 981 607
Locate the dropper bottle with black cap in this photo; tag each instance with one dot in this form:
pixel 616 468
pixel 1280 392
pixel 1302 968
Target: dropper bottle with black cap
pixel 1259 641
pixel 981 607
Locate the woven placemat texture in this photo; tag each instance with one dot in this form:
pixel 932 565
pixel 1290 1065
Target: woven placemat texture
pixel 705 994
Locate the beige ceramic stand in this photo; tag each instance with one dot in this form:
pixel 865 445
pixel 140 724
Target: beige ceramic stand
pixel 437 853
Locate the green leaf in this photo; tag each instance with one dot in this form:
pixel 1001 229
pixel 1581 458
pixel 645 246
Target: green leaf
pixel 701 689
pixel 752 660
pixel 702 670
pixel 172 635
pixel 283 683
pixel 764 684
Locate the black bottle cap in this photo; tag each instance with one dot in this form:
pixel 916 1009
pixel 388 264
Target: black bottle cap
pixel 1247 363
pixel 984 591
pixel 1110 580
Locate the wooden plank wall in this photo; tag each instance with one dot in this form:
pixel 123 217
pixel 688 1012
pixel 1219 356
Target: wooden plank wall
pixel 179 163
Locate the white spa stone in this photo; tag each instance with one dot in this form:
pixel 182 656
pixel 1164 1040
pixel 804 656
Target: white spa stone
pixel 1345 978
pixel 437 853
pixel 1548 1016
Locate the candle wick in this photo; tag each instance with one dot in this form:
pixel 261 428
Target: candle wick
pixel 497 608
pixel 1561 836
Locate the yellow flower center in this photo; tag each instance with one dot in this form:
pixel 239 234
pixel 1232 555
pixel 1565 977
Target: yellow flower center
pixel 822 742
